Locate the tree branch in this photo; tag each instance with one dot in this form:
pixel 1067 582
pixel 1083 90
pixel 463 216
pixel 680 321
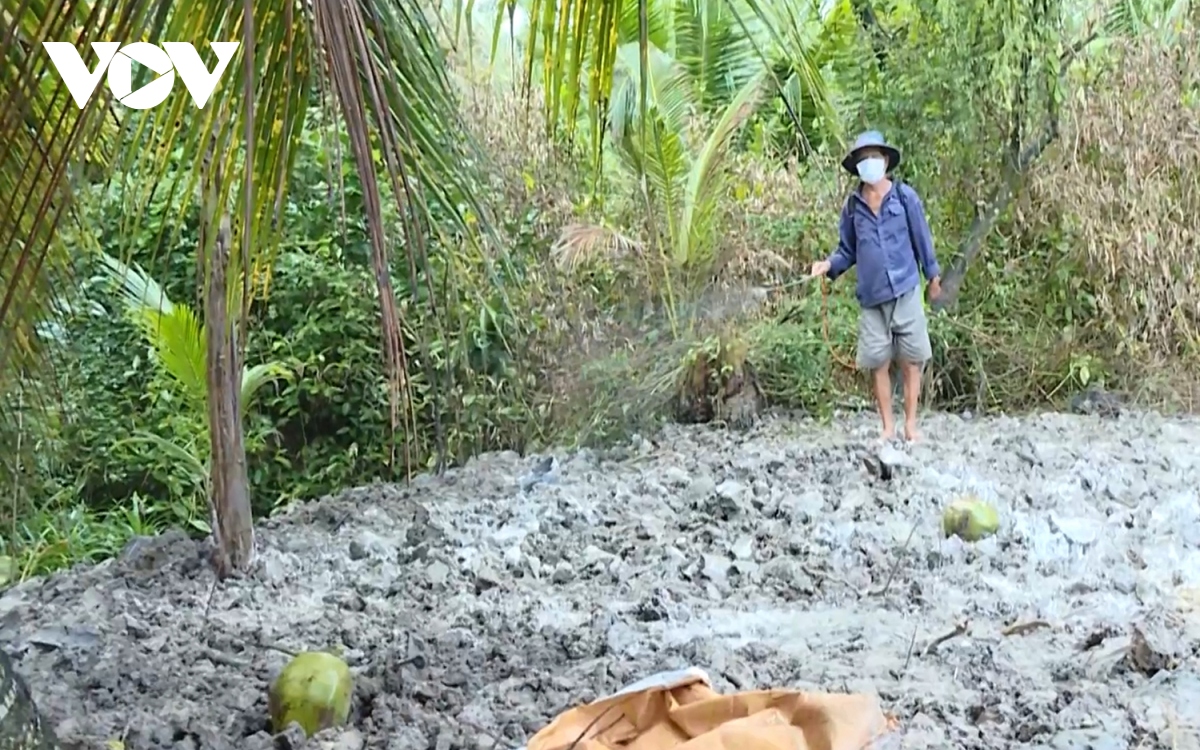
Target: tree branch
pixel 984 222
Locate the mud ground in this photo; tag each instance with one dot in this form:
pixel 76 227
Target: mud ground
pixel 769 558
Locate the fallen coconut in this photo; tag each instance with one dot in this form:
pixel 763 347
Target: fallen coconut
pixel 970 519
pixel 314 691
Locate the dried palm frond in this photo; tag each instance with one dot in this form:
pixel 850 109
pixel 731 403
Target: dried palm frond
pixel 581 244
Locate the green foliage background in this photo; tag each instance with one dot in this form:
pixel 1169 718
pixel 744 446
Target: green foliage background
pixel 581 338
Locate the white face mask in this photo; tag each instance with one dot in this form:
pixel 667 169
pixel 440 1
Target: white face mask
pixel 871 170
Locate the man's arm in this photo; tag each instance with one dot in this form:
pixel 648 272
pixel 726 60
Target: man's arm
pixel 922 236
pixel 847 250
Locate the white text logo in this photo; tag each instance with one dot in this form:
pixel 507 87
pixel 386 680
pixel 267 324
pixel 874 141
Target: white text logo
pixel 118 61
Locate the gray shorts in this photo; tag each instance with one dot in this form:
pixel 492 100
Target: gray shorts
pixel 894 331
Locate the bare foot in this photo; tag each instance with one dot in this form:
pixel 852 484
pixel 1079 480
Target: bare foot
pixel 889 433
pixel 911 433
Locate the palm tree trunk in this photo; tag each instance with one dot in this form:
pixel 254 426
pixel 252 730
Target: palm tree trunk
pixel 229 483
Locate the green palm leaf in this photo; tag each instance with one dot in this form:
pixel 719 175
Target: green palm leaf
pixel 706 181
pixel 658 20
pixel 794 30
pixel 256 377
pixel 174 332
pixel 716 51
pixel 177 336
pixel 669 93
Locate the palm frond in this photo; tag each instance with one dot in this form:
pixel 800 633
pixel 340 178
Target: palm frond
pixel 173 331
pixel 579 245
pixel 669 93
pixel 794 29
pixel 1124 18
pixel 707 178
pixel 43 138
pixel 661 156
pixel 576 43
pixel 715 50
pixel 257 377
pixel 137 288
pixel 658 20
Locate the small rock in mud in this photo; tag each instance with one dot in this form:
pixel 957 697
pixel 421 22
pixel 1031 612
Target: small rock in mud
pixel 1096 401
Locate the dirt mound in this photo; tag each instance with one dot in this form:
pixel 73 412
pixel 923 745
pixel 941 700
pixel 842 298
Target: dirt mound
pixel 769 558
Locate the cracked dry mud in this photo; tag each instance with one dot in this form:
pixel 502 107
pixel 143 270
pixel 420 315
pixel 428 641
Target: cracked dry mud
pixel 761 557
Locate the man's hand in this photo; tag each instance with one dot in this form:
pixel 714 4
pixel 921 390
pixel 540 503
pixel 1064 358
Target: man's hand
pixel 934 290
pixel 820 268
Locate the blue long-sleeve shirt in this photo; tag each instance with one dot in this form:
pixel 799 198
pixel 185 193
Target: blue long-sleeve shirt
pixel 882 247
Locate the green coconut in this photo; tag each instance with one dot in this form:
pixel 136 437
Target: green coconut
pixel 970 519
pixel 313 690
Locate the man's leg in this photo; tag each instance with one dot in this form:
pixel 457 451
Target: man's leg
pixel 912 393
pixel 911 329
pixel 881 383
pixel 875 357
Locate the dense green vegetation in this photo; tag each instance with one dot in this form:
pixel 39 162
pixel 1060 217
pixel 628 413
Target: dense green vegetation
pixel 566 286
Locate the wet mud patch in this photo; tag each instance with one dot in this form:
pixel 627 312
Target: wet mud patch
pixel 775 557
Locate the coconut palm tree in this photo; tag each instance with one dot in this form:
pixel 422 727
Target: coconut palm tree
pixel 596 57
pixel 375 63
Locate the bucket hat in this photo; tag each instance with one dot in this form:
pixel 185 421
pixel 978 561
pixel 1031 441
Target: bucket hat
pixel 871 139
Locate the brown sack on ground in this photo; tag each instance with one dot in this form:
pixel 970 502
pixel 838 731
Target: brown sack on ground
pixel 682 712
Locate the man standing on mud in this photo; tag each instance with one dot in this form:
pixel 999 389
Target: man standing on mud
pixel 883 230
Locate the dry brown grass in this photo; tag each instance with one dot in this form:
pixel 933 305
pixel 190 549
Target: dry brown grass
pixel 1125 184
pixel 766 194
pixel 583 352
pixel 527 170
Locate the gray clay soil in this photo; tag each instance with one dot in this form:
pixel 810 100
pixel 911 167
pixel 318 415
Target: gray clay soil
pixel 768 558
